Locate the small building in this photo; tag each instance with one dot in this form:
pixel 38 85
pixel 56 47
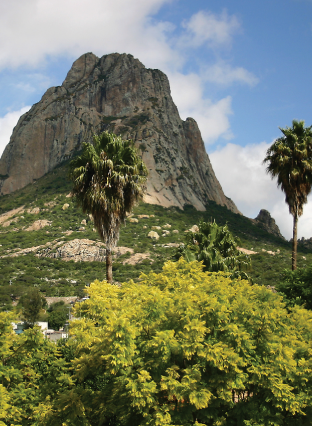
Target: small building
pixel 20 326
pixel 56 335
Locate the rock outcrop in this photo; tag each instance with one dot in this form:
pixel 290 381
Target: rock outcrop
pixel 266 221
pixel 115 93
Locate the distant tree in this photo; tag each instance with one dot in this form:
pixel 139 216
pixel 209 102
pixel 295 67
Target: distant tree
pixel 290 160
pixel 109 177
pixel 5 301
pixel 297 287
pixel 57 315
pixel 217 247
pixel 31 303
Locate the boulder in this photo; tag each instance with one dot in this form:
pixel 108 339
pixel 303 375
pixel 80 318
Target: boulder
pixel 153 235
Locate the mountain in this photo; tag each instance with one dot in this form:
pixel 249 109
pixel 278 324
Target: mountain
pixel 116 93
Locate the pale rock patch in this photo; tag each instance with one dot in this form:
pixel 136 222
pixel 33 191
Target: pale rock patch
pixel 136 258
pixel 35 210
pixel 169 245
pixel 8 222
pixel 194 228
pixel 5 216
pixel 38 224
pixel 118 251
pixel 246 251
pixel 65 206
pixel 50 204
pixel 156 228
pixel 273 253
pixel 153 235
pixel 133 220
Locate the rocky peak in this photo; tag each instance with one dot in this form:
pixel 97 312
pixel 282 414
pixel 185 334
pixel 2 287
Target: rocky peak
pixel 115 93
pixel 266 221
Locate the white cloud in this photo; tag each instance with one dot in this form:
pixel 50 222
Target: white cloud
pixel 31 30
pixel 212 117
pixel 222 73
pixel 7 123
pixel 243 178
pixel 208 28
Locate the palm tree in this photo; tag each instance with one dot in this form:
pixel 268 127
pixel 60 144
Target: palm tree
pixel 109 177
pixel 216 247
pixel 290 160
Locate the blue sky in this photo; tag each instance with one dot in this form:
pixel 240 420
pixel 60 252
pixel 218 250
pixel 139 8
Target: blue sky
pixel 240 68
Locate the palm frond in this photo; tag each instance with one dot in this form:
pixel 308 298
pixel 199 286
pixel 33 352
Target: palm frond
pixel 108 177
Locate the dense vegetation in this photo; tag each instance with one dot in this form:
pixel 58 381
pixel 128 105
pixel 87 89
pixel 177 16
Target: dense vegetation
pixel 206 350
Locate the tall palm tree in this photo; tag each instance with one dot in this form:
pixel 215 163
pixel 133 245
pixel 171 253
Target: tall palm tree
pixel 109 177
pixel 290 160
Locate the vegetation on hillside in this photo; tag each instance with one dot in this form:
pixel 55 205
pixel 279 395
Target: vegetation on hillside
pixel 56 277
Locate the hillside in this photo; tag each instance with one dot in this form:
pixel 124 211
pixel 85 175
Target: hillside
pixel 47 242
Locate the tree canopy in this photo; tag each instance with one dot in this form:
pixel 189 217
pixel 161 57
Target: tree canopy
pixel 108 177
pixel 187 347
pixel 290 160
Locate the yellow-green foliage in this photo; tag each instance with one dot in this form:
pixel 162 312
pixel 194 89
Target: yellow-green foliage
pixel 187 347
pixel 31 374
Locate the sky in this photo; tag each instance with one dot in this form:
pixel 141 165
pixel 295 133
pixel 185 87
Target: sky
pixel 241 69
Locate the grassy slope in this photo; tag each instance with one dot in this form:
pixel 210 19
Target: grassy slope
pixel 58 278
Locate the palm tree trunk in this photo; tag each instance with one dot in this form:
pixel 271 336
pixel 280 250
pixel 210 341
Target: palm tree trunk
pixel 294 245
pixel 109 265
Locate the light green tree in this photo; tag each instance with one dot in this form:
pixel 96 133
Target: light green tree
pixel 109 177
pixel 216 247
pixel 290 160
pixel 187 347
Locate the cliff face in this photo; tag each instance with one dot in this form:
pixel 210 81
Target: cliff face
pixel 115 93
